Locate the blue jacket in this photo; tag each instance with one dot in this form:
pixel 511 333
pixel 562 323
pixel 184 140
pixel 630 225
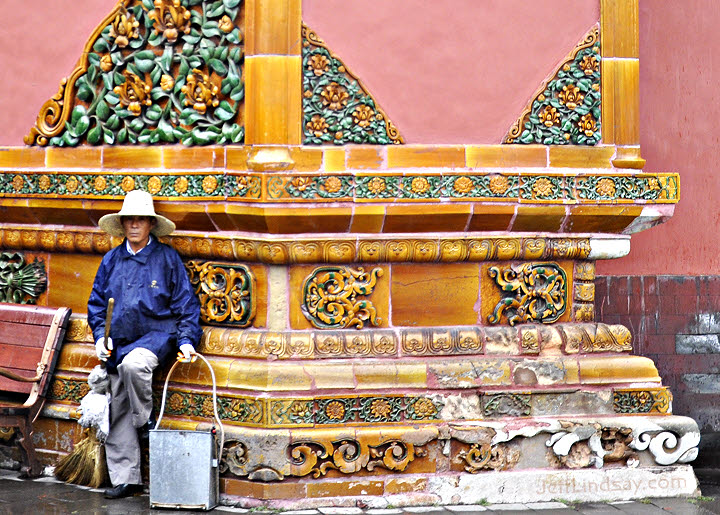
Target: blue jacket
pixel 155 305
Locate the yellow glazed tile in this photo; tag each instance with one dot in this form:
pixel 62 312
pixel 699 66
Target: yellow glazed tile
pixel 273 107
pixel 188 157
pixel 383 375
pixel 627 102
pixel 405 485
pixel 617 369
pixel 544 219
pixel 607 89
pixel 565 156
pixel 469 374
pixel 364 158
pixel 367 219
pixel 629 157
pixel 132 157
pixel 83 157
pixel 236 158
pixel 425 156
pixel 300 220
pixel 423 218
pixel 247 218
pixel 491 217
pixel 447 293
pixel 59 212
pixel 506 156
pixel 330 376
pixel 20 157
pixel 619 27
pixel 606 218
pixel 345 488
pixel 334 159
pixel 572 371
pixel 273 27
pixel 76 274
pixel 306 159
pixel 77 357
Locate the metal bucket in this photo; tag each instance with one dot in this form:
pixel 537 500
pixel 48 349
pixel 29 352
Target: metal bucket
pixel 184 464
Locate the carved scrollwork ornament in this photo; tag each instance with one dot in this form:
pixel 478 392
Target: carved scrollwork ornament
pixel 226 292
pixel 330 297
pixel 534 293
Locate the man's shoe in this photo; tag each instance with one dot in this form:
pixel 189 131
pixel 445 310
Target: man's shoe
pixel 124 490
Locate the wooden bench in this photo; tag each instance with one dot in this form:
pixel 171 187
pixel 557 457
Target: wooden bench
pixel 30 338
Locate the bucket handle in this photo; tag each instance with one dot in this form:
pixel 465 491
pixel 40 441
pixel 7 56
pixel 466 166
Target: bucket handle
pixel 214 392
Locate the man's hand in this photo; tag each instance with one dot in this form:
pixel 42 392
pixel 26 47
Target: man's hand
pixel 186 354
pixel 103 348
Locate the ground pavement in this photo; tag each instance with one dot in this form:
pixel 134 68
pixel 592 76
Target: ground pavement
pixel 47 495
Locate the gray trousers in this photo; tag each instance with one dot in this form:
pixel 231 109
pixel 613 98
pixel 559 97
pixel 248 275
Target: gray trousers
pixel 130 406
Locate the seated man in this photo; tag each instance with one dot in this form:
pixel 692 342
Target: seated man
pixel 156 312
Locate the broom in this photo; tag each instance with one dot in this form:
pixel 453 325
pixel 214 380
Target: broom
pixel 86 465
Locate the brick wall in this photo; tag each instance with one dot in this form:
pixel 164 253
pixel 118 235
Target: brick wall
pixel 674 320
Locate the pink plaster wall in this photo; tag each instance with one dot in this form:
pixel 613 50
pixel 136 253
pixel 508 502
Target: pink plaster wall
pixel 680 98
pixel 40 43
pixel 452 72
pixel 679 112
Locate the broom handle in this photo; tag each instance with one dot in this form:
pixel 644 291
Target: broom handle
pixel 108 319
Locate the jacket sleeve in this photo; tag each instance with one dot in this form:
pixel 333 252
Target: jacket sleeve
pixel 97 303
pixel 184 304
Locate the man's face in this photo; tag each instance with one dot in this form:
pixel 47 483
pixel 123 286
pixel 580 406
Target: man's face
pixel 137 230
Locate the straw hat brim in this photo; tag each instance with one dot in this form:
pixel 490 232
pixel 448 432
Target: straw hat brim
pixel 112 224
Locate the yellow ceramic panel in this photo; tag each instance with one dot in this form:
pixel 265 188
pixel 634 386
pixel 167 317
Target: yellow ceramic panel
pixel 60 212
pixel 607 88
pixel 334 160
pixel 82 157
pixel 506 156
pixel 611 219
pixel 237 157
pixel 18 157
pixel 367 219
pixel 261 295
pixel 70 279
pixel 355 488
pixel 306 159
pixel 379 297
pixel 77 357
pixel 434 295
pixel 132 157
pixel 219 217
pixel 186 217
pixel 300 220
pixel 245 218
pixel 619 27
pixel 273 108
pixel 188 157
pixel 326 376
pixel 544 219
pixel 491 217
pixel 272 27
pixel 405 156
pixel 364 157
pixel 617 369
pixel 387 374
pixel 627 101
pixel 424 218
pixel 405 485
pixel 581 157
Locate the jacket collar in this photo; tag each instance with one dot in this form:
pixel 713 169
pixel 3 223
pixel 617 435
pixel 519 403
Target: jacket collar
pixel 141 257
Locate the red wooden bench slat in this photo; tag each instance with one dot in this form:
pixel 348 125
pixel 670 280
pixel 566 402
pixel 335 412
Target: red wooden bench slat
pixel 22 335
pixel 13 356
pixel 26 314
pixel 8 385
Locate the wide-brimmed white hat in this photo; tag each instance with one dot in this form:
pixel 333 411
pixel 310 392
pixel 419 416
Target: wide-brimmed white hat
pixel 136 203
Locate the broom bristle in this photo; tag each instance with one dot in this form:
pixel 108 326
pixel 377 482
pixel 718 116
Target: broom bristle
pixel 85 465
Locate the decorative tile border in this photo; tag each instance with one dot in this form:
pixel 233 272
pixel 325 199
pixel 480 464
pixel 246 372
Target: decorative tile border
pixel 536 187
pixel 227 292
pixel 283 251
